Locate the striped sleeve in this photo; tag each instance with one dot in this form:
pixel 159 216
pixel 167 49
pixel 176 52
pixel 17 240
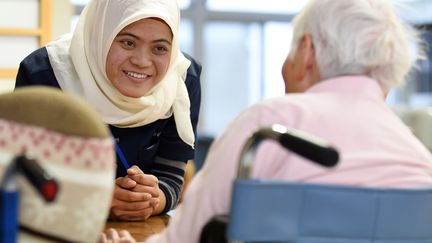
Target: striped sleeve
pixel 170 174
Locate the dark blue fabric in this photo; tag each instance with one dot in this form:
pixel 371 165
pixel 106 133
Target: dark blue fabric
pixel 140 145
pixel 9 203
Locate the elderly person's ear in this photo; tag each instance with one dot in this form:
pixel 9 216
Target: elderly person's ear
pixel 306 54
pixel 300 69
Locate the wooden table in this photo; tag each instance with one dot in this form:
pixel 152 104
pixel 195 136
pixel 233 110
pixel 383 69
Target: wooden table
pixel 141 230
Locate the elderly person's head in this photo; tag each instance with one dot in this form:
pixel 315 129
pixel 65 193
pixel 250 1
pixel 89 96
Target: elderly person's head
pixel 352 37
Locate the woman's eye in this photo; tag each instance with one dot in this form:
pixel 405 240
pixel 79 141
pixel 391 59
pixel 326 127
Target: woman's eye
pixel 128 43
pixel 161 49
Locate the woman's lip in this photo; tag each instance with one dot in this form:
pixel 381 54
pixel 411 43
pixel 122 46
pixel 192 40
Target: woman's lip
pixel 137 80
pixel 136 75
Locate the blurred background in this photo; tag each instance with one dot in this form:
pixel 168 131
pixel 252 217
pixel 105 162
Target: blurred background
pixel 240 43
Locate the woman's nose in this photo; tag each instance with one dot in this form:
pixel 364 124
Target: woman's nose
pixel 141 59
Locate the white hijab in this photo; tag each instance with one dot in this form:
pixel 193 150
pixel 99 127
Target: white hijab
pixel 79 62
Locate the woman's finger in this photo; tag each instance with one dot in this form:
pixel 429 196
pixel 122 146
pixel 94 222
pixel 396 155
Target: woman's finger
pixel 112 235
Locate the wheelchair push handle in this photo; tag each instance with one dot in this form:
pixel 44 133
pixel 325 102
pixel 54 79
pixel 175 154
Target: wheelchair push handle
pixel 315 149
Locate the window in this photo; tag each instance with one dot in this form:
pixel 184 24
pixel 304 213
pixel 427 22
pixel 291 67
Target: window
pixel 268 6
pixel 231 72
pixel 242 45
pixel 184 3
pixel 21 33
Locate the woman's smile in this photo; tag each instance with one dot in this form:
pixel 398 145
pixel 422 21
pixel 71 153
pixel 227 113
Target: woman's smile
pixel 139 57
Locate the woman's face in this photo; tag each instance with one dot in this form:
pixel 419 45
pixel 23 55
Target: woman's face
pixel 139 57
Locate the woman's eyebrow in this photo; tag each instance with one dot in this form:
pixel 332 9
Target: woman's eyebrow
pixel 128 34
pixel 138 38
pixel 163 40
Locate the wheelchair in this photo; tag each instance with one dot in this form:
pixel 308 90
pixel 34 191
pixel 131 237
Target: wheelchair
pixel 286 212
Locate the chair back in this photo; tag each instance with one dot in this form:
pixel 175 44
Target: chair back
pixel 275 211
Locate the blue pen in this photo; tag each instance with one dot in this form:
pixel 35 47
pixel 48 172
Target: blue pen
pixel 121 156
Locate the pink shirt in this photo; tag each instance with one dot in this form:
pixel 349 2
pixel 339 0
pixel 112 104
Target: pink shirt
pixel 376 150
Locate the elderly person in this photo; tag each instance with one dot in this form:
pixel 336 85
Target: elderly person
pixel 345 58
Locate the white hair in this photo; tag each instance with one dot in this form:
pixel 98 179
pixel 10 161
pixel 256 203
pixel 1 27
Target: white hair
pixel 359 37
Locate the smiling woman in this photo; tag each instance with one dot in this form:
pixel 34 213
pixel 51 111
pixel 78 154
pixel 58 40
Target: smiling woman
pixel 139 57
pixel 124 59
